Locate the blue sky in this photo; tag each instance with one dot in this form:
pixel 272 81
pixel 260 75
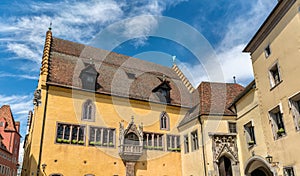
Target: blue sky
pixel 226 25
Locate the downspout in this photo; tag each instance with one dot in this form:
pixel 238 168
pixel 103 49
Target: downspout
pixel 202 140
pixel 42 134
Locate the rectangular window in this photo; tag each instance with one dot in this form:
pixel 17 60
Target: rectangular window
pixel 274 75
pixel 153 141
pixel 277 122
pixel 250 136
pixel 173 143
pixel 267 51
pixel 232 127
pixel 288 171
pixel 186 144
pixel 294 104
pixel 100 136
pixel 195 143
pixel 70 134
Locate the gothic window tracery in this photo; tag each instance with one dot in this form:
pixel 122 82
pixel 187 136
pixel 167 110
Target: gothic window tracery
pixel 88 111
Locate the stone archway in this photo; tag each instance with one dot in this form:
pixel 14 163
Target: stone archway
pixel 224 165
pixel 225 154
pixel 257 166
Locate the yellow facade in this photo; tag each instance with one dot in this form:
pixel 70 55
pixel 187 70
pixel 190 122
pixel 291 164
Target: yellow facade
pixel 65 105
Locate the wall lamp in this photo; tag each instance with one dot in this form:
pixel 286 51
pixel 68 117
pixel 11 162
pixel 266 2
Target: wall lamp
pixel 269 158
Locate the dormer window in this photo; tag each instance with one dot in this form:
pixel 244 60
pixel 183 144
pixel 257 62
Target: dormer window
pixel 89 77
pixel 163 92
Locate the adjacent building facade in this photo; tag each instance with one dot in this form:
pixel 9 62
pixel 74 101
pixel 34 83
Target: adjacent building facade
pixel 10 141
pixel 102 113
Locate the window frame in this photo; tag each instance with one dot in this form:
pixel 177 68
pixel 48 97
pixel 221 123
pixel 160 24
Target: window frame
pixel 267 51
pixel 285 168
pixel 70 139
pixel 92 111
pixel 173 147
pixel 229 127
pixel 108 143
pixel 164 121
pixel 274 114
pixel 194 140
pixel 156 144
pixel 186 143
pixel 272 76
pixel 294 105
pixel 250 134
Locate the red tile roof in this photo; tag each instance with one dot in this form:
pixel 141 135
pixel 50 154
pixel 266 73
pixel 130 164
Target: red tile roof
pixel 213 99
pixel 68 59
pixel 5 113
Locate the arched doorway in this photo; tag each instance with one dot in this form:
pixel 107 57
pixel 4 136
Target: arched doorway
pixel 258 172
pixel 225 168
pixel 257 166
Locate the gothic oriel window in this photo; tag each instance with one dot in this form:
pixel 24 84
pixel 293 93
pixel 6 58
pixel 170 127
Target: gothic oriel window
pixel 88 110
pixel 89 77
pixel 164 121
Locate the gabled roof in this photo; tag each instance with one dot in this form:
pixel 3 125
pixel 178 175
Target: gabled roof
pixel 67 61
pixel 249 87
pixel 213 99
pixel 5 113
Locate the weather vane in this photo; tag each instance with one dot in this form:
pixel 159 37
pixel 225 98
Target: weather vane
pixel 174 58
pixel 50 27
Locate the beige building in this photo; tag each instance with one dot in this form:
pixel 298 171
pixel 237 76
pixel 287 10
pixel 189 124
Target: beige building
pixel 275 56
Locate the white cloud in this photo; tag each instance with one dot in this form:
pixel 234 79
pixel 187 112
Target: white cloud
pixel 77 21
pixel 19 104
pixel 24 51
pixel 235 63
pixel 229 52
pixel 18 76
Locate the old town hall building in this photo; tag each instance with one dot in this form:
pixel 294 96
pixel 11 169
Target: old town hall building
pixel 99 113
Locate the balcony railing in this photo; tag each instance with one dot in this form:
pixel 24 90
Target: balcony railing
pixel 128 150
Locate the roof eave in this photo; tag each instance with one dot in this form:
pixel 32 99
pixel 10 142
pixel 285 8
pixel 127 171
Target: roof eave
pixel 272 20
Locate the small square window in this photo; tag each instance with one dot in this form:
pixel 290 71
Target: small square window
pixel 288 171
pixel 277 122
pixel 274 75
pixel 267 51
pixel 232 127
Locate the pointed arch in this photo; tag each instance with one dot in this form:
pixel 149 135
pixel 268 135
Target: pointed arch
pixel 164 121
pixel 88 110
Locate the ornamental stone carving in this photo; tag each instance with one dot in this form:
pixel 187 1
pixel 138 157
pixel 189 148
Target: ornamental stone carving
pixel 225 144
